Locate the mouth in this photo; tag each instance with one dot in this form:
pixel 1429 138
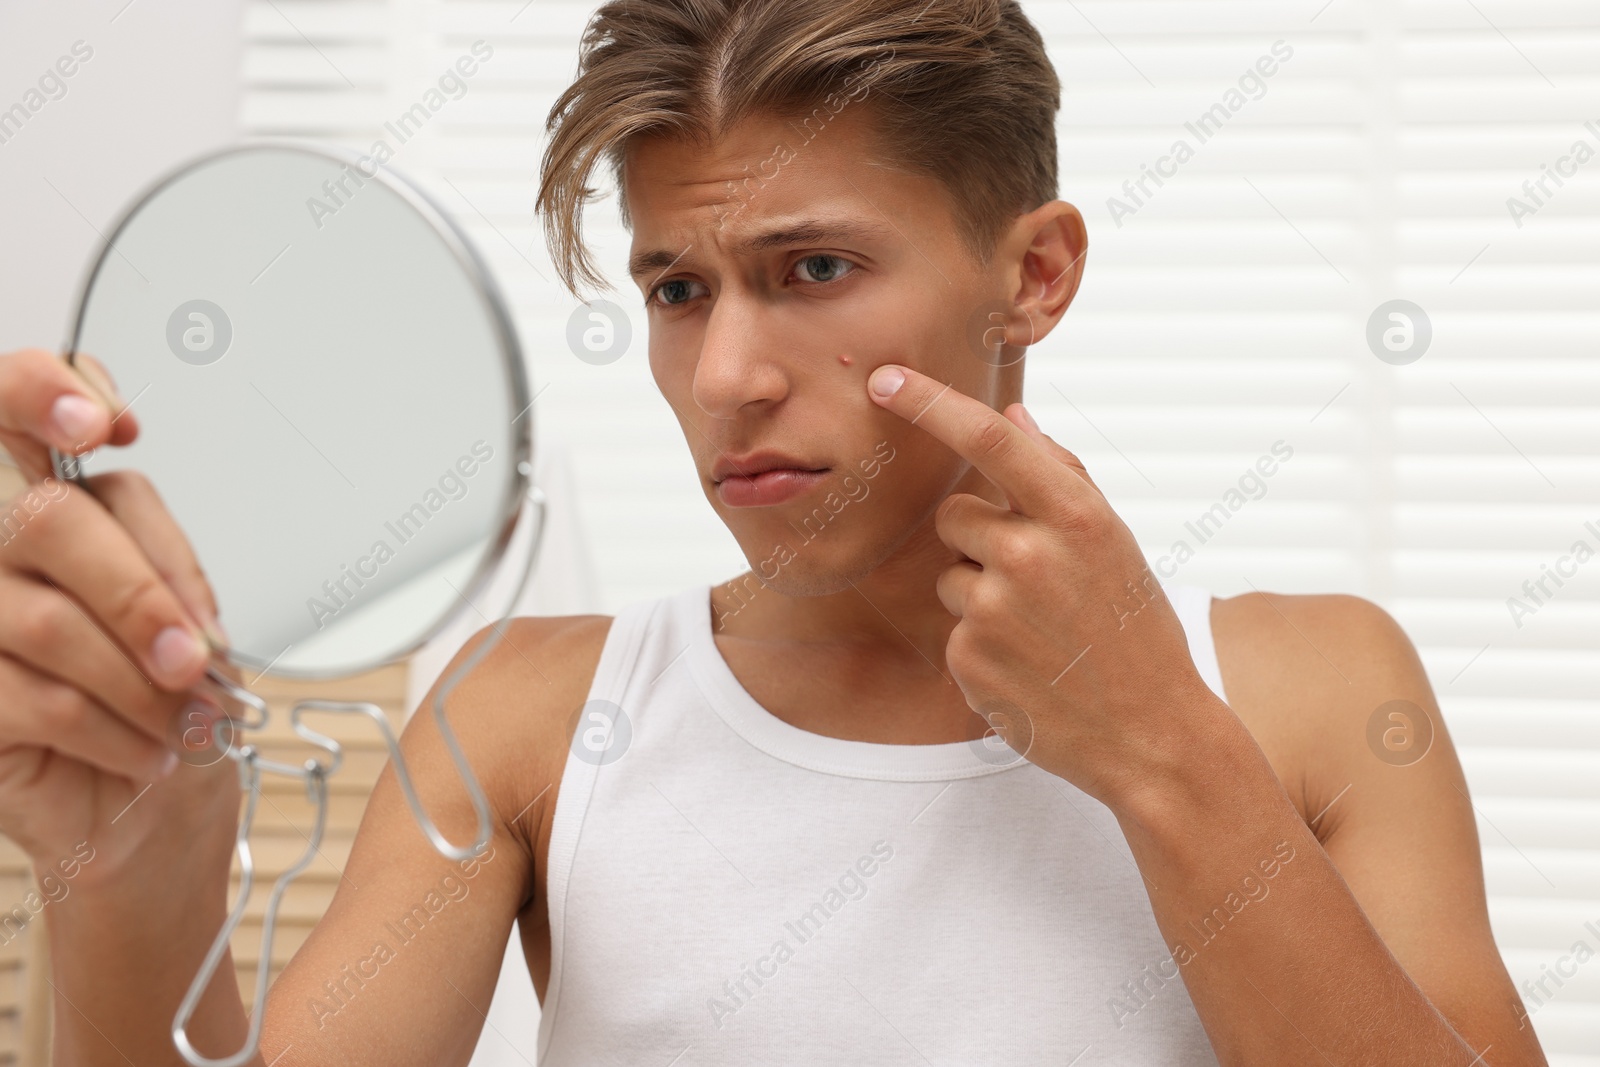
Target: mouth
pixel 763 479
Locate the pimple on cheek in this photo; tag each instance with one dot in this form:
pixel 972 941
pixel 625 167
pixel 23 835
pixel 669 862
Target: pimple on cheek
pixel 844 359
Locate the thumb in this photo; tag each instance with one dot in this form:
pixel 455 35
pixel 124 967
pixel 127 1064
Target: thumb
pixel 124 426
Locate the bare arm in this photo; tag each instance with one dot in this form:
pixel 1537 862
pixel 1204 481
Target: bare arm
pixel 1375 948
pixel 402 967
pixel 404 962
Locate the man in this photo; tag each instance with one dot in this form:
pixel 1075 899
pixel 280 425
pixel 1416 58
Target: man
pixel 762 822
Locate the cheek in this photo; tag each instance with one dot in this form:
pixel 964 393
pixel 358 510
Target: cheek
pixel 913 483
pixel 929 345
pixel 663 366
pixel 672 368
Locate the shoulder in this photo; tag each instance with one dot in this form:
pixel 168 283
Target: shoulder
pixel 1310 675
pixel 1335 632
pixel 514 711
pixel 538 663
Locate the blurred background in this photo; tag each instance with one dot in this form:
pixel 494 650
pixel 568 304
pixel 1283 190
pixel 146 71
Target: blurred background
pixel 1375 261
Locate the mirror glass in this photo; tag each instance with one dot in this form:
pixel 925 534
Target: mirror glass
pixel 330 397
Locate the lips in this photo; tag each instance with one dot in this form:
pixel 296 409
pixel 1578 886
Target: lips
pixel 755 463
pixel 762 479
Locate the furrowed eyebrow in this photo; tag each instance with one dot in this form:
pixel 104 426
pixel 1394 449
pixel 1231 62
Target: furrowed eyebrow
pixel 809 232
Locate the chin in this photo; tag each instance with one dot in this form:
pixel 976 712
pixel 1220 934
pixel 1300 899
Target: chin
pixel 823 565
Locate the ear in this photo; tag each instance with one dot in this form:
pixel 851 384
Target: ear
pixel 1051 269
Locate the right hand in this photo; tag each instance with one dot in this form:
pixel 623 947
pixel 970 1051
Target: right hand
pixel 103 609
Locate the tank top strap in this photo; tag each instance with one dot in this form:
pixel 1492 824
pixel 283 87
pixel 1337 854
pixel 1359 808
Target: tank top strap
pixel 635 632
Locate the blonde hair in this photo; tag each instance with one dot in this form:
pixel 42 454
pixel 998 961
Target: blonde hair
pixel 960 90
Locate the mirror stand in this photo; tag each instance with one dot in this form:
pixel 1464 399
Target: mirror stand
pixel 315 774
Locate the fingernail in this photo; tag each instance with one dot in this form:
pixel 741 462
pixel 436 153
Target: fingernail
pixel 886 381
pixel 75 416
pixel 218 633
pixel 1026 414
pixel 175 650
pixel 169 763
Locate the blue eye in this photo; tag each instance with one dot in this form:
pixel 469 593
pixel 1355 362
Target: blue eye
pixel 830 267
pixel 669 289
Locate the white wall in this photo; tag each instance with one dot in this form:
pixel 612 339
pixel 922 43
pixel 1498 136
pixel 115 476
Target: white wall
pixel 160 84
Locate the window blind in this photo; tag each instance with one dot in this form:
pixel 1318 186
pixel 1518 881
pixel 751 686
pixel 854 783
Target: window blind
pixel 1339 155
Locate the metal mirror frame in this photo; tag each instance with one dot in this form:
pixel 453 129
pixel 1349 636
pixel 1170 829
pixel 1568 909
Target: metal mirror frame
pixel 67 467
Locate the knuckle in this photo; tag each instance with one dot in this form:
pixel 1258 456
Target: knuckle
pixel 959 653
pixel 991 437
pixel 62 709
pixel 1015 549
pixel 140 604
pixel 949 509
pixel 985 601
pixel 45 623
pixel 45 510
pixel 1080 516
pixel 28 517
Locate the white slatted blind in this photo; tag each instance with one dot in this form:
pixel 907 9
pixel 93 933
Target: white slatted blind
pixel 1226 313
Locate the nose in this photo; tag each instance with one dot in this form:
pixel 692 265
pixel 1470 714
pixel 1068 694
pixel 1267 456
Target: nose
pixel 740 361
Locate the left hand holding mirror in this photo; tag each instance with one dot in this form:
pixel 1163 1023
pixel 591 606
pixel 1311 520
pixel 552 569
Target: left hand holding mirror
pixel 332 412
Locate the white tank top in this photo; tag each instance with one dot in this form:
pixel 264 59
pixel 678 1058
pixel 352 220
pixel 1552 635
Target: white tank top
pixel 725 888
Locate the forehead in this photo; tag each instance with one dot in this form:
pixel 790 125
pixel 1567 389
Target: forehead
pixel 770 181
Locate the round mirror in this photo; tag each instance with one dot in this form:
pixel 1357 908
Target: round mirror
pixel 331 399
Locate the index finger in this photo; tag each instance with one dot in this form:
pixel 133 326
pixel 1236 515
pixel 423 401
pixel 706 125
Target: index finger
pixel 47 402
pixel 134 502
pixel 72 542
pixel 976 432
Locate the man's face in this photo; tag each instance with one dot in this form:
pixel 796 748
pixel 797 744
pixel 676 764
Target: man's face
pixel 786 271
